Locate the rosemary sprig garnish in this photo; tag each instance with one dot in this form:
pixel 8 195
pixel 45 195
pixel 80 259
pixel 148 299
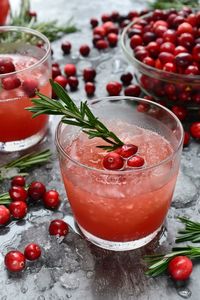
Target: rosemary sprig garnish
pixel 24 163
pixel 157 264
pixel 51 28
pixel 178 4
pixel 191 232
pixel 5 199
pixel 73 115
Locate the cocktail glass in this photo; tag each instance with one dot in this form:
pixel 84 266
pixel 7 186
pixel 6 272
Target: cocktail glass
pixel 124 209
pixel 30 53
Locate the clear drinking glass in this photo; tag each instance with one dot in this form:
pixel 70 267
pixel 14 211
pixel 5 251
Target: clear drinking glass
pixel 30 53
pixel 124 209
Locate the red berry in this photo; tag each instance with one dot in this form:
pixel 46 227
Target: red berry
pixel 18 181
pixel 180 49
pixel 112 39
pixel 186 139
pixel 100 31
pixel 141 54
pixel 169 67
pixel 55 71
pixel 170 36
pixel 148 37
pixel 183 60
pixel 15 261
pixel 30 86
pixel 160 30
pixel 6 66
pixel 36 190
pixel 186 40
pixel 94 22
pixel 62 80
pixel 73 83
pixel 180 268
pixel 166 57
pixel 127 150
pixel 18 193
pixel 66 47
pixel 180 112
pixel 89 74
pixel 32 14
pixel 10 83
pixel 58 227
pixel 192 70
pixel 149 61
pixel 32 251
pixel 153 48
pixel 84 50
pixel 105 18
pixel 135 161
pixel 167 47
pixel 192 19
pixel 101 44
pixel 196 98
pixel 185 28
pixel 126 78
pixel 51 199
pixel 90 88
pixel 113 161
pixel 4 215
pixel 196 53
pixel 195 130
pixel 18 209
pixel 132 90
pixel 135 41
pixel 142 107
pixel 70 70
pixel 114 88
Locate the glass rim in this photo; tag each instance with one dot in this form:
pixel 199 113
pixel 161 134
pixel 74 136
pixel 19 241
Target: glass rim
pixel 129 171
pixel 33 32
pixel 149 68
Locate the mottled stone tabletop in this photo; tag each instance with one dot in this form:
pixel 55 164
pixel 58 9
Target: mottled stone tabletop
pixel 73 268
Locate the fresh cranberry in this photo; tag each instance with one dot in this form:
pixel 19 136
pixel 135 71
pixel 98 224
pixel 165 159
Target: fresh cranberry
pixel 157 14
pixel 167 47
pixel 66 47
pixel 180 112
pixel 158 64
pixel 169 67
pixel 4 215
pixel 153 48
pixel 127 150
pixel 183 60
pixel 141 54
pixel 70 70
pixel 124 23
pixel 18 209
pixel 102 44
pixel 62 80
pixel 30 86
pixel 180 268
pixel 160 30
pixel 133 31
pixel 166 57
pixel 113 161
pixel 95 39
pixel 159 41
pixel 132 90
pixel 170 36
pixel 10 83
pixel 177 21
pixel 73 83
pixel 18 193
pixel 185 28
pixel 32 251
pixel 186 139
pixel 115 16
pixel 112 39
pixel 90 88
pixel 58 227
pixel 105 18
pixel 89 74
pixel 196 98
pixel 160 22
pixel 126 78
pixel 149 61
pixel 142 107
pixel 192 19
pixel 132 14
pixel 51 199
pixel 18 181
pixel 148 37
pixel 195 130
pixel 135 161
pixel 84 50
pixel 192 70
pixel 6 66
pixel 32 14
pixel 186 40
pixel 100 31
pixel 170 89
pixel 185 96
pixel 171 17
pixel 196 52
pixel 180 49
pixel 94 22
pixel 55 71
pixel 36 190
pixel 135 41
pixel 107 25
pixel 15 261
pixel 114 88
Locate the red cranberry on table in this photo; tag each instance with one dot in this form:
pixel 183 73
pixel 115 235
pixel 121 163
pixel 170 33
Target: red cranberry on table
pixel 32 252
pixel 180 268
pixel 62 80
pixel 195 130
pixel 15 261
pixel 90 88
pixel 126 78
pixel 100 30
pixel 114 88
pixel 73 82
pixel 51 199
pixel 84 50
pixel 18 209
pixel 4 215
pixel 70 70
pixel 112 39
pixel 89 74
pixel 101 44
pixel 36 190
pixel 66 47
pixel 18 193
pixel 18 181
pixel 55 71
pixel 186 139
pixel 10 83
pixel 113 161
pixel 6 66
pixel 105 17
pixel 94 22
pixel 132 90
pixel 127 150
pixel 30 86
pixel 58 227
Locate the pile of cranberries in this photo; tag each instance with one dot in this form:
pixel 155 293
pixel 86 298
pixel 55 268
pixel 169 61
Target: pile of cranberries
pixel 21 196
pixel 123 158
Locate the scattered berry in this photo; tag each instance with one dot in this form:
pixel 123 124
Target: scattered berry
pixel 36 190
pixel 51 199
pixel 195 130
pixel 180 112
pixel 101 44
pixel 84 50
pixel 90 88
pixel 4 215
pixel 18 209
pixel 32 252
pixel 186 139
pixel 89 74
pixel 114 88
pixel 132 90
pixel 58 227
pixel 62 80
pixel 113 161
pixel 66 47
pixel 70 70
pixel 180 268
pixel 112 39
pixel 73 83
pixel 18 193
pixel 55 71
pixel 126 78
pixel 15 261
pixel 18 181
pixel 94 22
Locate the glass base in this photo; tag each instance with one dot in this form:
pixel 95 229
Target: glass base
pixel 23 144
pixel 119 246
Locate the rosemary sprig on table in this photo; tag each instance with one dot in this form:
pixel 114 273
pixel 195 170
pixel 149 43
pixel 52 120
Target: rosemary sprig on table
pixel 5 199
pixel 73 115
pixel 191 232
pixel 24 163
pixel 178 4
pixel 51 29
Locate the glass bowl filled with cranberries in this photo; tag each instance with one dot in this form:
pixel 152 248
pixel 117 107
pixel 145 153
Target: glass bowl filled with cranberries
pixel 164 48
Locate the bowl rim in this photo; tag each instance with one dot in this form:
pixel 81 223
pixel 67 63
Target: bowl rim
pixel 34 33
pixel 150 68
pixel 61 149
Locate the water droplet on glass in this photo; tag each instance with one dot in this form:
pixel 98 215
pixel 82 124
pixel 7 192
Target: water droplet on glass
pixel 184 293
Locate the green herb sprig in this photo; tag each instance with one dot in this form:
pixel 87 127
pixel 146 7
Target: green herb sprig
pixel 191 232
pixel 178 4
pixel 73 115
